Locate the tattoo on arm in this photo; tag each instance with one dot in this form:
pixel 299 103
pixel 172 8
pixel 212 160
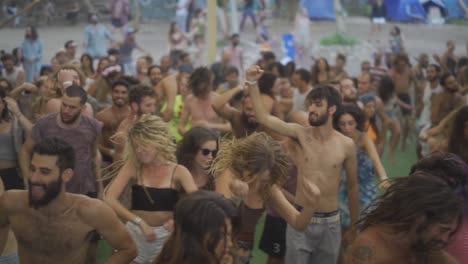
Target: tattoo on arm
pixel 362 255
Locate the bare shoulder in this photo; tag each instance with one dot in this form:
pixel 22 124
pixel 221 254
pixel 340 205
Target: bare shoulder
pixel 104 115
pixel 366 249
pixel 14 200
pixel 90 209
pixel 347 142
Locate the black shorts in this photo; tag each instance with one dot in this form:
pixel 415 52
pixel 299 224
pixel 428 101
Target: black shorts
pixel 273 241
pixel 405 98
pixel 11 179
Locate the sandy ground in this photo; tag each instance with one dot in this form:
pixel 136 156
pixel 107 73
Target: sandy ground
pixel 153 37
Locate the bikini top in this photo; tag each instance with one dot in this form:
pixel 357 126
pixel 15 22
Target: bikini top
pixel 154 199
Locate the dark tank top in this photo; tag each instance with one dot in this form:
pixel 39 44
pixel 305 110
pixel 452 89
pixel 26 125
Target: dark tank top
pixel 154 199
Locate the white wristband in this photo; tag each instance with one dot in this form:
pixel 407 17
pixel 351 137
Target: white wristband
pixel 66 84
pixel 250 82
pixel 137 220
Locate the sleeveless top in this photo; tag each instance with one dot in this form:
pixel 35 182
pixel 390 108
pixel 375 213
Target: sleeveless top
pixel 154 199
pixel 7 151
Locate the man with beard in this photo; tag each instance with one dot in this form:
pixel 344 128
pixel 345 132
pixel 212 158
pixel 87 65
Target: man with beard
pixel 243 121
pixel 78 130
pixel 155 75
pixel 432 88
pixel 325 152
pixel 349 92
pixel 111 118
pixel 54 226
pixel 141 99
pixel 414 233
pixel 445 102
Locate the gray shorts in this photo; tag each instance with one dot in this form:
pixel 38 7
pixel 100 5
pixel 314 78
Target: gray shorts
pixel 9 259
pixel 318 244
pixel 148 251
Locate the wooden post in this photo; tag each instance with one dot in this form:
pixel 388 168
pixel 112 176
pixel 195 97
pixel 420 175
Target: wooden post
pixel 212 30
pixel 24 10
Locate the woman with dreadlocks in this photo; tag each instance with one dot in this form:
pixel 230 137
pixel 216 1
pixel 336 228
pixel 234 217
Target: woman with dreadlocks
pixel 254 168
pixel 150 168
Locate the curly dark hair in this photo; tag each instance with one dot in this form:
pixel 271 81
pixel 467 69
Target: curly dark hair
pixel 352 110
pixel 199 226
pixel 190 144
pixel 200 81
pixel 386 89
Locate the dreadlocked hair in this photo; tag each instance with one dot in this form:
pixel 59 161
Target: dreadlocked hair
pixel 249 156
pixel 148 130
pixel 408 199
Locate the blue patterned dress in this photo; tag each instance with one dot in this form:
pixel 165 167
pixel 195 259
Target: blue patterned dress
pixel 366 184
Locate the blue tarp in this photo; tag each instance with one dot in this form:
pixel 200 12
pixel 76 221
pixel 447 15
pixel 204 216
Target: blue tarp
pixel 319 9
pixel 405 10
pixel 453 8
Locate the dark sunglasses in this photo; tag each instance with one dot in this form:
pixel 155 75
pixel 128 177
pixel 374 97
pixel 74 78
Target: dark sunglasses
pixel 205 152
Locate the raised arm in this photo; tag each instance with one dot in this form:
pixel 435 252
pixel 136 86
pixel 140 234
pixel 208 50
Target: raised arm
pixel 252 74
pixel 100 216
pixel 185 179
pixel 220 103
pixel 16 111
pixel 374 156
pixel 350 165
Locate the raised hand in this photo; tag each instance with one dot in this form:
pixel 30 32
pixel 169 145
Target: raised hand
pixel 253 73
pixel 12 105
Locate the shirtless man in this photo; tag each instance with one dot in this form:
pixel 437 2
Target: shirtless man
pixel 111 118
pixel 141 99
pixel 446 101
pixel 198 104
pixel 402 76
pixel 243 121
pixel 324 151
pixel 167 89
pixel 411 234
pixel 66 76
pixel 8 248
pixel 53 226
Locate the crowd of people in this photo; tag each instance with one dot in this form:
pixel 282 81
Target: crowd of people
pixel 173 161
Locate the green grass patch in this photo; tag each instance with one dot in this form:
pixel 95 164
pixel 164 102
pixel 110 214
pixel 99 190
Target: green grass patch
pixel 457 21
pixel 339 39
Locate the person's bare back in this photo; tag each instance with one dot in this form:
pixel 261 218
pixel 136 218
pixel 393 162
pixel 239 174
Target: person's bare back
pixel 200 109
pixel 402 81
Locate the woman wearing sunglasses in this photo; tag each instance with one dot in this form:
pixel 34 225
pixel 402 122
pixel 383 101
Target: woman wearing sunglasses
pixel 196 151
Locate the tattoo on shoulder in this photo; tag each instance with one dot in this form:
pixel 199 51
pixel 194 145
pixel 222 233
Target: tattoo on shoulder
pixel 362 254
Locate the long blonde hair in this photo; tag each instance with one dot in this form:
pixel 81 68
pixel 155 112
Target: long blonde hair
pixel 249 156
pixel 148 130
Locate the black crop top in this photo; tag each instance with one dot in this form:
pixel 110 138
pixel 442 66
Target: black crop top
pixel 154 199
